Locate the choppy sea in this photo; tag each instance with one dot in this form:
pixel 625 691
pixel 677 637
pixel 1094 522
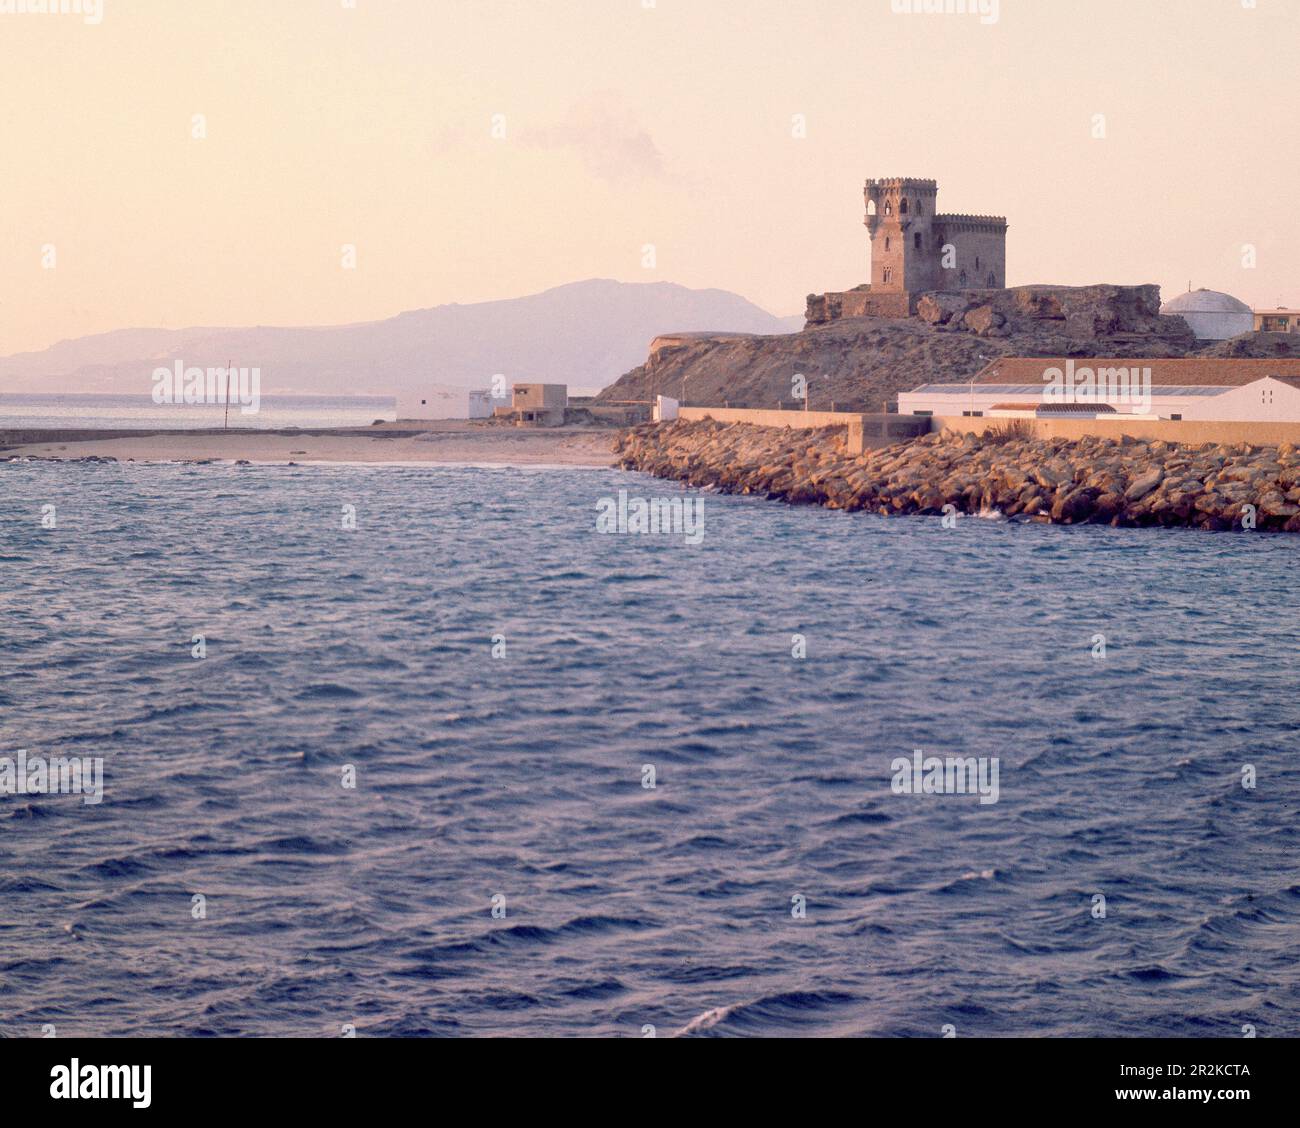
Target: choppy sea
pixel 502 682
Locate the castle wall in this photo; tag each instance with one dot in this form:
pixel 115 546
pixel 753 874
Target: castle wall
pixel 922 271
pixel 825 308
pixel 980 251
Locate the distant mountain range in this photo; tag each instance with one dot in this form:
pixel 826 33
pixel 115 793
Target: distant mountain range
pixel 585 334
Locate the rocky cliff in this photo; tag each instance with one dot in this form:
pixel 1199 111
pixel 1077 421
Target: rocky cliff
pixel 861 363
pixel 1094 480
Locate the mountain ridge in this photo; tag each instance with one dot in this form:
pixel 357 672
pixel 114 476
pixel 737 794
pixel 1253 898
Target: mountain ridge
pixel 585 333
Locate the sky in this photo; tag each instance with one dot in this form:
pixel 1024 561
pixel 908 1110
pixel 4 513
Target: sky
pixel 471 150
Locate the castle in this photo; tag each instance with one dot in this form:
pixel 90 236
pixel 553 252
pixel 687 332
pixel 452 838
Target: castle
pixel 914 249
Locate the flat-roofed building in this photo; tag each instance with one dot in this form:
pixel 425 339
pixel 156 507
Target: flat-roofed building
pixel 481 404
pixel 1277 321
pixel 1194 388
pixel 538 404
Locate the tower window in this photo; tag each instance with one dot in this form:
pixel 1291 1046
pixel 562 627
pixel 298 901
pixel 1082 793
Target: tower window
pixel 887 242
pixel 889 208
pixel 993 281
pixel 977 262
pixel 889 275
pixel 917 238
pixel 962 280
pixel 902 206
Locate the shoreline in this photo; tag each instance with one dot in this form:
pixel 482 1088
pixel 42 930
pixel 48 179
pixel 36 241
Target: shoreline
pixel 444 442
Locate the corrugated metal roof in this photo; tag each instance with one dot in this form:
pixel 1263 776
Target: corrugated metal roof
pixel 1038 389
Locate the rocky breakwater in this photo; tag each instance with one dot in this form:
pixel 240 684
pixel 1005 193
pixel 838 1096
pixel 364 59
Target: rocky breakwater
pixel 1092 480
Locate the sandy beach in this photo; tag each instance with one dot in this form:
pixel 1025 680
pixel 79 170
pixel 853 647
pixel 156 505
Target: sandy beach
pixel 449 441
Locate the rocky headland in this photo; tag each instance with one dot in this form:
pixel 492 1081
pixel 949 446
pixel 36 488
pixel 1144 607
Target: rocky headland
pixel 1094 480
pixel 862 363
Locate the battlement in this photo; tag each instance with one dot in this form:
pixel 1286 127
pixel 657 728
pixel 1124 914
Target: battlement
pixel 972 221
pixel 903 182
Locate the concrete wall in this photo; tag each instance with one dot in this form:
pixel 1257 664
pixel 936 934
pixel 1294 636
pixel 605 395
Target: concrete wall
pixel 867 430
pixel 1187 431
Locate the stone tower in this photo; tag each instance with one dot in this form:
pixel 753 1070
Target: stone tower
pixel 900 221
pixel 914 249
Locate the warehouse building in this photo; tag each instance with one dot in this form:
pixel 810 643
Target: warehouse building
pixel 1192 388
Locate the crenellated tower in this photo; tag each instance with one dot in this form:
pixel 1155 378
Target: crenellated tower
pixel 914 249
pixel 900 220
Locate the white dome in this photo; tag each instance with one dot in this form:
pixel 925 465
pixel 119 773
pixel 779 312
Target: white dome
pixel 1212 315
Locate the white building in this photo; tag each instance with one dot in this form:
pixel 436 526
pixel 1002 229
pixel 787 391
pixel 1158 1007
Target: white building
pixel 1193 388
pixel 664 409
pixel 436 401
pixel 1213 316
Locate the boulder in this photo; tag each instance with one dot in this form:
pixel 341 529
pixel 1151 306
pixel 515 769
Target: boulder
pixel 983 319
pixel 939 308
pixel 1143 485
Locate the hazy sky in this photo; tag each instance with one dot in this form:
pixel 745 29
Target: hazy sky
pixel 624 125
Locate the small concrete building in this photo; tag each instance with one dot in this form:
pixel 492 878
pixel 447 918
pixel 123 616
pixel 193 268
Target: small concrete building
pixel 480 405
pixel 1212 316
pixel 1211 389
pixel 1277 320
pixel 665 409
pixel 420 405
pixel 539 404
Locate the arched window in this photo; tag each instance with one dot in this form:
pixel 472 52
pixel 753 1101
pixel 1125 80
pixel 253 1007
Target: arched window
pixel 919 206
pixel 888 241
pixel 889 208
pixel 977 262
pixel 962 280
pixel 993 281
pixel 889 275
pixel 917 240
pixel 902 206
pixel 871 207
